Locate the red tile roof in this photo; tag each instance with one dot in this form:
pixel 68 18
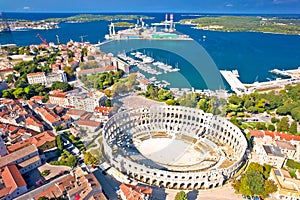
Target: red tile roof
pixel 50 116
pixel 85 122
pixel 36 74
pixel 37 140
pixel 76 112
pixel 103 109
pixel 37 98
pixel 32 121
pixel 133 192
pixel 12 179
pixel 275 135
pixel 7 70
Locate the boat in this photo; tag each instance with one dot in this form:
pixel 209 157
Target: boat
pixel 148 60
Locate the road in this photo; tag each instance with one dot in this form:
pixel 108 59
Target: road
pixel 108 184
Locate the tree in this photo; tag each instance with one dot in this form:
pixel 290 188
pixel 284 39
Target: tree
pixel 59 142
pixel 8 93
pixel 18 93
pixel 69 71
pixel 256 182
pixel 171 102
pixel 271 127
pixel 61 86
pixel 234 99
pixel 88 158
pixel 255 167
pixel 260 126
pixel 43 198
pixel 108 103
pixel 293 127
pixel 295 112
pixel 10 78
pixel 267 169
pixel 283 125
pixel 274 120
pixel 202 104
pixel 181 196
pixel 269 187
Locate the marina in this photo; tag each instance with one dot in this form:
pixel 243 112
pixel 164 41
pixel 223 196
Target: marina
pixel 147 64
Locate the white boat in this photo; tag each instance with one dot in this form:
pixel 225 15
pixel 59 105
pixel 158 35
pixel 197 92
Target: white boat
pixel 148 60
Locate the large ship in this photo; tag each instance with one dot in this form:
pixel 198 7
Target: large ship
pixel 142 31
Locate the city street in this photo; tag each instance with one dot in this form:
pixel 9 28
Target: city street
pixel 109 185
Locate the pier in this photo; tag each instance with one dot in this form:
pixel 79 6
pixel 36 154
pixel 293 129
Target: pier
pixel 232 79
pixel 280 73
pixel 239 88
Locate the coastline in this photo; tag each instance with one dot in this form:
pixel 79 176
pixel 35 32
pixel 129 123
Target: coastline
pixel 230 31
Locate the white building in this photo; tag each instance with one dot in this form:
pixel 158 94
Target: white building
pixel 42 78
pixel 271 155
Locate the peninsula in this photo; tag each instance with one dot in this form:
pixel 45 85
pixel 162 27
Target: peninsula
pixel 247 23
pixel 91 18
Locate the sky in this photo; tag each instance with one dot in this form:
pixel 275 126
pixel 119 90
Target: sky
pixel 196 6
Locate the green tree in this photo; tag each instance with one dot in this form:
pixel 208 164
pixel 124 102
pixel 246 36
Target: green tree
pixel 202 104
pixel 43 198
pixel 108 103
pixel 256 182
pixel 271 127
pixel 253 166
pixel 189 100
pixel 171 102
pixel 283 125
pixel 274 120
pixel 59 143
pixel 295 112
pixel 8 93
pixel 10 78
pixel 266 170
pixel 181 196
pixel 236 100
pixel 69 71
pixel 88 158
pixel 61 86
pixel 293 127
pixel 18 93
pixel 269 187
pixel 260 126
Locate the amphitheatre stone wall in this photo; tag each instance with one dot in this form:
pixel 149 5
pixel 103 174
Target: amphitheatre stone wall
pixel 125 129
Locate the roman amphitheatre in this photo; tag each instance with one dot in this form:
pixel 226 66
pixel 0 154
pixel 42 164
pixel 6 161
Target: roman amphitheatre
pixel 174 147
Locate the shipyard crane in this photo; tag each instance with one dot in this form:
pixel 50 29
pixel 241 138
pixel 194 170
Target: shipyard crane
pixel 41 38
pixel 82 36
pixel 57 38
pixel 4 26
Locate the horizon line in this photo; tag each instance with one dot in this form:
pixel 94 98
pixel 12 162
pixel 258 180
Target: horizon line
pixel 180 12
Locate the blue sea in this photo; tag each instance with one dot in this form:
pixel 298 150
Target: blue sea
pixel 252 54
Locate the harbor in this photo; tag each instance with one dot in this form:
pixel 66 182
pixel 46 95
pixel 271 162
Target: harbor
pixel 290 77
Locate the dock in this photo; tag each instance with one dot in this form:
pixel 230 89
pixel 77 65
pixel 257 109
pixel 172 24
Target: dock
pixel 232 79
pixel 280 73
